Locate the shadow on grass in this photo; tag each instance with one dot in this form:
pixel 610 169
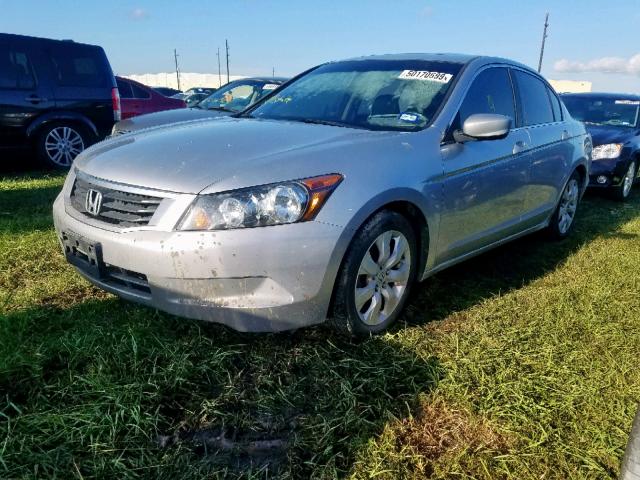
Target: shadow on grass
pixel 112 389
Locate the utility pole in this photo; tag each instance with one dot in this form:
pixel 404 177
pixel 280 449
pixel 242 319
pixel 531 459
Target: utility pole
pixel 219 74
pixel 175 57
pixel 227 45
pixel 544 37
pixel 273 72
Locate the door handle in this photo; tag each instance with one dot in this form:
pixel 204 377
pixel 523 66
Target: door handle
pixel 520 146
pixel 565 135
pixel 35 99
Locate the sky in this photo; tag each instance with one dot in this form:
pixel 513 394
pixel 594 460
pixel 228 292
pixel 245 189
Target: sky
pixel 588 40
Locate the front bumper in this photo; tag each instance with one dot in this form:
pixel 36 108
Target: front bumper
pixel 260 279
pixel 613 169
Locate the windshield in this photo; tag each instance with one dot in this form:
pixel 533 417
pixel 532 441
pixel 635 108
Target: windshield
pixel 371 94
pixel 236 96
pixel 603 111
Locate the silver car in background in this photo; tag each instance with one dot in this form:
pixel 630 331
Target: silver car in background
pixel 329 199
pixel 229 99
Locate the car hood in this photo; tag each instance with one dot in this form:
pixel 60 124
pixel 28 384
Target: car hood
pixel 603 134
pixel 166 117
pixel 245 152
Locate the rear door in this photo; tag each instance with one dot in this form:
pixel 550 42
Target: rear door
pixel 24 91
pixel 484 181
pixel 551 152
pixel 82 81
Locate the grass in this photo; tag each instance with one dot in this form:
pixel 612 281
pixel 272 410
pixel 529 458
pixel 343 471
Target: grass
pixel 522 363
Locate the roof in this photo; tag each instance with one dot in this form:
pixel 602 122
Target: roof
pixel 44 39
pixel 612 96
pixel 263 79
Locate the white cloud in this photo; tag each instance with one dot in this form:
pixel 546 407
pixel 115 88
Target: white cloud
pixel 139 14
pixel 630 66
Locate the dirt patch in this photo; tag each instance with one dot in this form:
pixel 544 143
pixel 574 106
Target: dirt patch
pixel 439 430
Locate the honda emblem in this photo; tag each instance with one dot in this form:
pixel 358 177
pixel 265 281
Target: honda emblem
pixel 93 202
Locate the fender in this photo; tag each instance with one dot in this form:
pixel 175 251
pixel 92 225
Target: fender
pixel 367 210
pixel 57 116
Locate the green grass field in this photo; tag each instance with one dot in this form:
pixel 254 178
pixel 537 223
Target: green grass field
pixel 522 363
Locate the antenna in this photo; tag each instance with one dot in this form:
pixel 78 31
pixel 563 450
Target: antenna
pixel 544 37
pixel 227 46
pixel 175 57
pixel 219 74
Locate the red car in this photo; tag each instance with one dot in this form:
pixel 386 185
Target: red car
pixel 138 99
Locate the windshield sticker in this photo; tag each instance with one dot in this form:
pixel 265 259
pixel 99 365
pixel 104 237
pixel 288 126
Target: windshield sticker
pixel 409 117
pixel 270 86
pixel 423 75
pixel 627 102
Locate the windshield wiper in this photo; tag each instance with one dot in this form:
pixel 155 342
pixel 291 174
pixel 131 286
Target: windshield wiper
pixel 222 109
pixel 317 121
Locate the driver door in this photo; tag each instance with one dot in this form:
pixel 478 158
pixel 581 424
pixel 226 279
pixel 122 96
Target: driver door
pixel 485 181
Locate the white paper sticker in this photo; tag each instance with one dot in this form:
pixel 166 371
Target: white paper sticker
pixel 627 102
pixel 408 117
pixel 423 75
pixel 270 86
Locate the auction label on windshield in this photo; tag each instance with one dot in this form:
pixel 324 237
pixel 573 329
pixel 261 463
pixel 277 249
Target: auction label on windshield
pixel 423 75
pixel 270 86
pixel 627 102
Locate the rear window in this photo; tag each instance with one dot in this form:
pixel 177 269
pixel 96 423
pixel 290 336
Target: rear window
pixel 124 88
pixel 16 70
pixel 139 92
pixel 79 66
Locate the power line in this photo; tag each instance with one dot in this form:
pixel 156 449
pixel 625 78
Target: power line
pixel 544 37
pixel 175 57
pixel 219 74
pixel 227 46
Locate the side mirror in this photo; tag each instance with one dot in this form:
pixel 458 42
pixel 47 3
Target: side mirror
pixel 483 126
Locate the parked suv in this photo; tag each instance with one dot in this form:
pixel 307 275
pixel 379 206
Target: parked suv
pixel 613 120
pixel 57 97
pixel 329 198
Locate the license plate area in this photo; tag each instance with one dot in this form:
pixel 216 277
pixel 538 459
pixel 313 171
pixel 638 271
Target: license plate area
pixel 83 254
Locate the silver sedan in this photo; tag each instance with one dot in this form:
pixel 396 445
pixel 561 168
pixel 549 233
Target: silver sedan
pixel 330 198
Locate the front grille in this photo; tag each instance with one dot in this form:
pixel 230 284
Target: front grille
pixel 120 208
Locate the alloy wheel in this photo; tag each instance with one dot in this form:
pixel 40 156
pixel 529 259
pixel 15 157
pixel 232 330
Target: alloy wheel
pixel 568 205
pixel 629 177
pixel 383 277
pixel 62 145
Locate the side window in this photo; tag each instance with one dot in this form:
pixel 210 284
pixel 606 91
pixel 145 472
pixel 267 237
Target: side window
pixel 139 92
pixel 16 70
pixel 534 99
pixel 124 88
pixel 555 105
pixel 78 65
pixel 490 92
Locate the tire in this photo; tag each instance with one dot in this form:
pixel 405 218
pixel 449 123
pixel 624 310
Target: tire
pixel 58 143
pixel 563 219
pixel 623 191
pixel 366 299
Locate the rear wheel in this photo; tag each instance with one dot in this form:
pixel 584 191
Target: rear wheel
pixel 623 191
pixel 376 275
pixel 58 144
pixel 563 218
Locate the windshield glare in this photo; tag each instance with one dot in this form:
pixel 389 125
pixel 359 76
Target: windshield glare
pixel 603 111
pixel 235 97
pixel 371 94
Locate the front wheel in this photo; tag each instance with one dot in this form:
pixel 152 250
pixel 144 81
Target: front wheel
pixel 563 218
pixel 376 275
pixel 58 144
pixel 623 191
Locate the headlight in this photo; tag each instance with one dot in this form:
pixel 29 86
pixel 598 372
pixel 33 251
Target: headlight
pixel 274 204
pixel 610 150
